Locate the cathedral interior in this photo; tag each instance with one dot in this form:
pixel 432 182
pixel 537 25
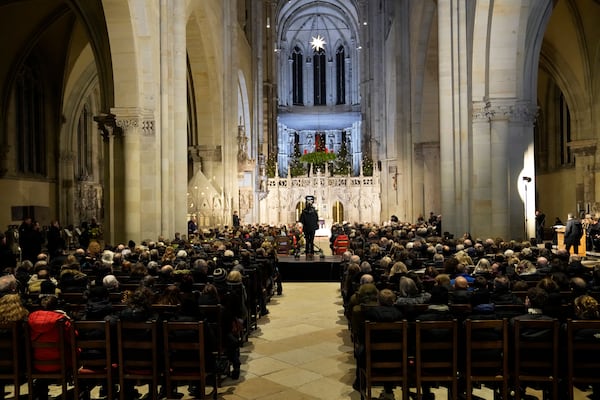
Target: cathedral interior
pixel 142 114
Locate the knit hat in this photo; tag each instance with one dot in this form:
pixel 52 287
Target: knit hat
pixel 219 275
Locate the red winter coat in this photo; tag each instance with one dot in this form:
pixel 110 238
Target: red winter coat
pixel 43 327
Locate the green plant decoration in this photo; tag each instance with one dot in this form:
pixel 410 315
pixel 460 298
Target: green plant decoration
pixel 272 165
pixel 342 163
pixel 367 165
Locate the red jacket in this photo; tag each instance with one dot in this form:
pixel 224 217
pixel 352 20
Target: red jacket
pixel 43 327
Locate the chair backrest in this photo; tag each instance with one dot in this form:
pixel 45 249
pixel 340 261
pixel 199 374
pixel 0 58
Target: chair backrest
pixel 213 320
pixel 386 354
pixel 487 353
pixel 184 353
pixel 583 352
pixel 11 367
pixel 436 355
pixel 509 310
pixel 284 244
pixel 138 352
pixel 91 349
pixel 47 355
pixel 536 351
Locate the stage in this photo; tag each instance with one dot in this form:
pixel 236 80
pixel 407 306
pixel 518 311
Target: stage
pixel 314 269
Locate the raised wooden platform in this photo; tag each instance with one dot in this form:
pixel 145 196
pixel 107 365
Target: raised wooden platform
pixel 313 269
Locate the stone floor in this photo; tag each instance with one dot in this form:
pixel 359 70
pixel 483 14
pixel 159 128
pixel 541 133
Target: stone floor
pixel 302 350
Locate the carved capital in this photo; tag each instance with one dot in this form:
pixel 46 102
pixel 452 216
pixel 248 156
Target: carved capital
pixel 581 148
pixel 135 118
pixel 108 127
pixel 482 111
pixel 505 109
pixel 523 112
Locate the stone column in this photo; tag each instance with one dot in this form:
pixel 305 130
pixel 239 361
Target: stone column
pixel 585 169
pixel 66 173
pixel 503 185
pixel 331 84
pixel 348 82
pixel 140 175
pixel 289 85
pixel 454 96
pixel 112 221
pixel 308 79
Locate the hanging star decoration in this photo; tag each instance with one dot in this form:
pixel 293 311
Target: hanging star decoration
pixel 318 43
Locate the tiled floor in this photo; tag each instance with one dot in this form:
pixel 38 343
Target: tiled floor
pixel 302 350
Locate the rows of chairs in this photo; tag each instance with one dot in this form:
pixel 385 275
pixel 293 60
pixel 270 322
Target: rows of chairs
pixel 465 355
pixel 150 352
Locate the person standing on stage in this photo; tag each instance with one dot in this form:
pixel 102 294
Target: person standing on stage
pixel 310 223
pixel 236 220
pixel 540 222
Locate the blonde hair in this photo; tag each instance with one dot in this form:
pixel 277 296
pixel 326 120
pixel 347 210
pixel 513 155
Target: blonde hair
pixel 586 307
pixel 442 279
pixel 12 309
pixel 234 276
pixel 398 268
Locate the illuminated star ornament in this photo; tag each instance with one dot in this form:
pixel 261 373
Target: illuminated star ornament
pixel 318 43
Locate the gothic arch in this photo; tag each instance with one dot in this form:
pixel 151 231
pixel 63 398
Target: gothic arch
pixel 126 63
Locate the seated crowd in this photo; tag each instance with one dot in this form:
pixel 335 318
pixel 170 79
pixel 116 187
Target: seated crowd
pixel 163 280
pixel 407 272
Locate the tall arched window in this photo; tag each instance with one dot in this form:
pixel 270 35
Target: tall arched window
pixel 84 146
pixel 340 76
pixel 319 65
pixel 564 131
pixel 297 65
pixel 31 140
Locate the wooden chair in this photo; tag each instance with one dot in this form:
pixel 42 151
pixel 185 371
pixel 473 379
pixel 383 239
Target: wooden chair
pixel 185 355
pixel 213 325
pixel 138 355
pixel 283 245
pixel 509 311
pixel 51 369
pixel 487 354
pixel 11 368
pixel 536 354
pixel 583 353
pixel 436 357
pixel 386 357
pixel 92 357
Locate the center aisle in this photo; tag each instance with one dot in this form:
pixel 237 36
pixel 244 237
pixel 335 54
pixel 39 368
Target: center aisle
pixel 301 350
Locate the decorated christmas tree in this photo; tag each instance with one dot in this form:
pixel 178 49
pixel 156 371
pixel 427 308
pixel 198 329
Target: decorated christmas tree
pixel 297 168
pixel 342 162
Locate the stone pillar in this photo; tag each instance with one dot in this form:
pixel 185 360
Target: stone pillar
pixel 331 84
pixel 289 85
pixel 455 145
pixel 431 177
pixel 585 169
pixel 308 78
pixel 111 133
pixel 140 175
pixel 66 173
pixel 503 185
pixel 348 82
